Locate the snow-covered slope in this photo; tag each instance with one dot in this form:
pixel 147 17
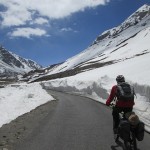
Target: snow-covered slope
pixel 128 40
pixel 122 50
pixel 11 64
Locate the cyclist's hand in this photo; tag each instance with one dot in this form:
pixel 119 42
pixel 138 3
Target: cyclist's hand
pixel 107 103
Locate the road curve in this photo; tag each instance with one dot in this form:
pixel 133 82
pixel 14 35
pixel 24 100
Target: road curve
pixel 78 123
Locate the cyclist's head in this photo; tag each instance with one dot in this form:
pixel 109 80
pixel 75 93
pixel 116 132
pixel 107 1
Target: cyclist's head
pixel 120 78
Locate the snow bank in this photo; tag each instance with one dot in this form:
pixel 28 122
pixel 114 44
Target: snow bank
pixel 16 100
pixel 99 91
pixel 97 84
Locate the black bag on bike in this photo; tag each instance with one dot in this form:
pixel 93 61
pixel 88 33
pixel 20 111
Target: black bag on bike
pixel 139 131
pixel 124 130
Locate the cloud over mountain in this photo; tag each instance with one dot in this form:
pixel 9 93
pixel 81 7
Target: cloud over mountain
pixel 27 32
pixel 18 13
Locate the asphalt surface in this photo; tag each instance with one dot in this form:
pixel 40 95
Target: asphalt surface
pixel 77 123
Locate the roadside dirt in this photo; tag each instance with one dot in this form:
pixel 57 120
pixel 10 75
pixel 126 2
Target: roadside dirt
pixel 19 129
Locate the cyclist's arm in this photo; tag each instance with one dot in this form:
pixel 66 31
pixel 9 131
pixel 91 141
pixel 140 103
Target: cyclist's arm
pixel 111 96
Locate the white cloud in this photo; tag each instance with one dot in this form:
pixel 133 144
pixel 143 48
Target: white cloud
pixel 27 32
pixel 15 15
pixel 66 29
pixel 41 21
pixel 20 12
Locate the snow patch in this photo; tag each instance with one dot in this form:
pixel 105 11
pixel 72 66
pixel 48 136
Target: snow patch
pixel 16 100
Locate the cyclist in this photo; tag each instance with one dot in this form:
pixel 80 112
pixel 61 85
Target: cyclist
pixel 121 104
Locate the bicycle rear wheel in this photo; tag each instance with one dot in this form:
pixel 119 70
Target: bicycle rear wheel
pixel 134 143
pixel 127 145
pixel 116 137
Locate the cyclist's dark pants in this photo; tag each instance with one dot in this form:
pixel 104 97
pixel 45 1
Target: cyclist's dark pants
pixel 115 113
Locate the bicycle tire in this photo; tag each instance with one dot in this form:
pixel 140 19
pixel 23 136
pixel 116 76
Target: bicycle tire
pixel 126 145
pixel 134 142
pixel 117 139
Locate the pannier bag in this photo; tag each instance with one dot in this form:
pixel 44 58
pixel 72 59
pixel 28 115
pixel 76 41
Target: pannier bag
pixel 139 131
pixel 124 130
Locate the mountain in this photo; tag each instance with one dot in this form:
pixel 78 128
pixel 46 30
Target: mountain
pixel 123 50
pixel 12 65
pixel 112 40
pixel 127 41
pixel 132 20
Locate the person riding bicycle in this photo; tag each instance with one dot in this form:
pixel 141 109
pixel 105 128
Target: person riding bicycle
pixel 122 105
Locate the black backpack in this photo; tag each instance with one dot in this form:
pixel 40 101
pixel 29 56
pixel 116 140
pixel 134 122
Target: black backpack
pixel 125 92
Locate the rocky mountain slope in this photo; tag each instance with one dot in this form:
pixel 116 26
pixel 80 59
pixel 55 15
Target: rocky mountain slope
pixel 111 40
pixel 12 65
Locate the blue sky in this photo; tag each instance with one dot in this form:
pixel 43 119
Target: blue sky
pixel 52 31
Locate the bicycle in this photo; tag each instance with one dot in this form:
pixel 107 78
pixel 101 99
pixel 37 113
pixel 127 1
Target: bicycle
pixel 130 141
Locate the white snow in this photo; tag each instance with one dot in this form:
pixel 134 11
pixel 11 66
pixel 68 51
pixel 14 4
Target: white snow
pixel 16 100
pixel 97 84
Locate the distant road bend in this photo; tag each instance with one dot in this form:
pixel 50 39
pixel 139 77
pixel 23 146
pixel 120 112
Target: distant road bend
pixel 78 123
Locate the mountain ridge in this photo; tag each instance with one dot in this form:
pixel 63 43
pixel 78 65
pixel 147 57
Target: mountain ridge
pixel 12 65
pixel 132 20
pixel 107 49
pixel 101 46
pixel 112 46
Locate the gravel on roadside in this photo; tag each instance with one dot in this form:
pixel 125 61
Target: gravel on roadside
pixel 20 128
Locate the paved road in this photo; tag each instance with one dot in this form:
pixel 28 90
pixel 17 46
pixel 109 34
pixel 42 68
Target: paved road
pixel 78 123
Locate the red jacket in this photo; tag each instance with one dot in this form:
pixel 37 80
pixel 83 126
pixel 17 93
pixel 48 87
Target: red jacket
pixel 119 103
